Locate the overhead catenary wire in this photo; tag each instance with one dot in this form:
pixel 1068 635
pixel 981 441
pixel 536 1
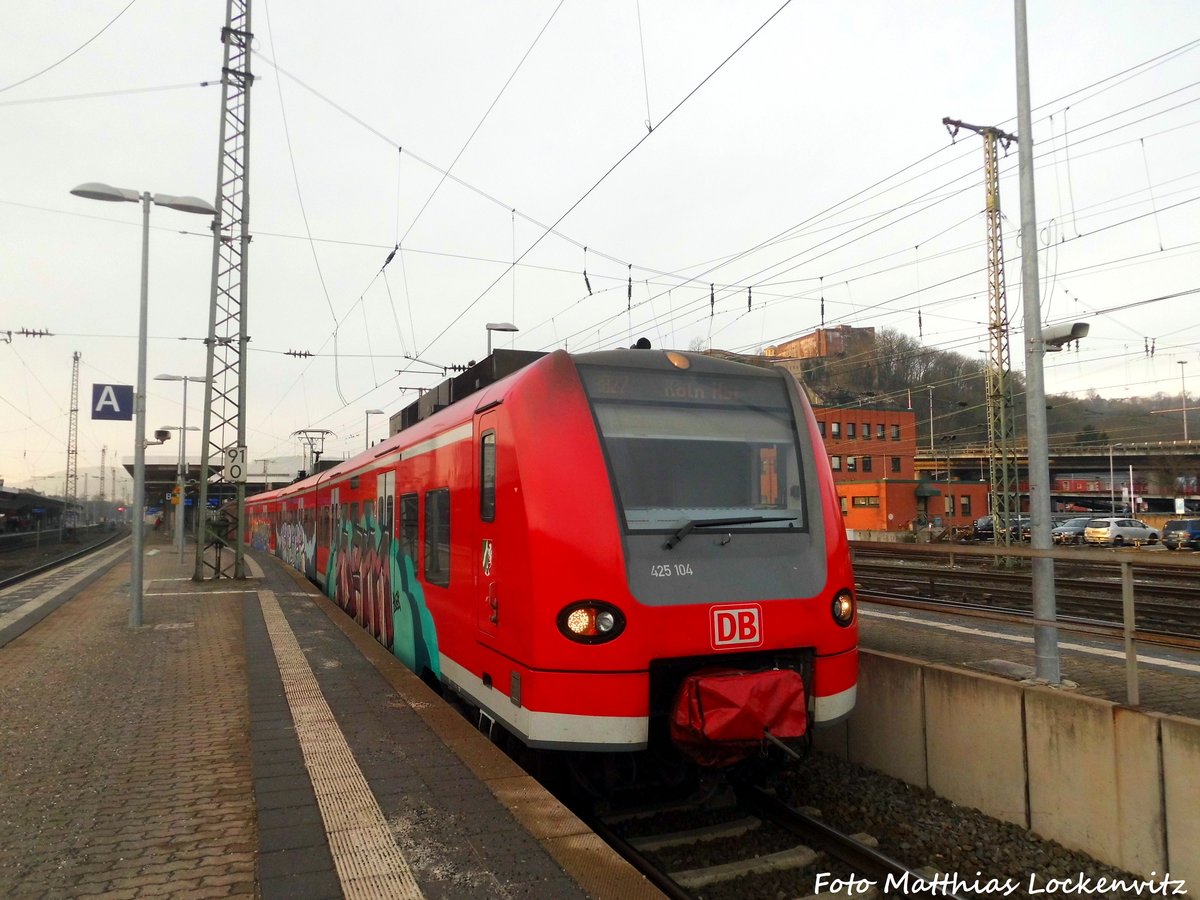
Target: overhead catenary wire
pixel 54 65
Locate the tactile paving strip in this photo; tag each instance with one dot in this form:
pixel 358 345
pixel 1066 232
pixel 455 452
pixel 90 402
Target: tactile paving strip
pixel 369 864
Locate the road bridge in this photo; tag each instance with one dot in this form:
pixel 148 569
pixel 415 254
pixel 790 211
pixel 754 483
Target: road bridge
pixel 1092 477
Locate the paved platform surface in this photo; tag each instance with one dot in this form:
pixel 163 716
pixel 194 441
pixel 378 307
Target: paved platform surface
pixel 249 740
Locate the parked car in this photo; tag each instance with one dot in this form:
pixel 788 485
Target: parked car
pixel 1117 531
pixel 1070 531
pixel 1182 533
pixel 983 529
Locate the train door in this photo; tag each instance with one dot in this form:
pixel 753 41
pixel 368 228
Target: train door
pixel 385 507
pixel 330 540
pixel 488 553
pixel 380 587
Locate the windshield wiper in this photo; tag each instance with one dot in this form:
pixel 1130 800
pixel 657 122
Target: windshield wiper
pixel 692 524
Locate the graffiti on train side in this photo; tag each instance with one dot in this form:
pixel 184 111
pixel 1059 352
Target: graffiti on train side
pixel 260 534
pixel 374 581
pixel 296 540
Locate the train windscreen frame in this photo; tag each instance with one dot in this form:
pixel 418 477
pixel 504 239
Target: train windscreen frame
pixel 699 448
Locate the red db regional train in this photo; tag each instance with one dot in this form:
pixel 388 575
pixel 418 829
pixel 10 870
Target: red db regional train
pixel 600 551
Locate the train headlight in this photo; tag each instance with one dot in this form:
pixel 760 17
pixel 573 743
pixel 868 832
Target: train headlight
pixel 591 621
pixel 843 608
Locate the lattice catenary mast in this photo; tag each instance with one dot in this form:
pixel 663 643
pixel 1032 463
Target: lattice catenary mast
pixel 224 435
pixel 71 487
pixel 1002 464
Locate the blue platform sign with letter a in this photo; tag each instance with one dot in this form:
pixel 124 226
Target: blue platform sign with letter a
pixel 112 401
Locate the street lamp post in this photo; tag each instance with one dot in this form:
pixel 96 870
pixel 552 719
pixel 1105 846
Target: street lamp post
pixel 1183 395
pixel 181 475
pixel 497 326
pixel 97 191
pixel 179 482
pixel 367 429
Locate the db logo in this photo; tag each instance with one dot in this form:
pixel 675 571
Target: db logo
pixel 736 626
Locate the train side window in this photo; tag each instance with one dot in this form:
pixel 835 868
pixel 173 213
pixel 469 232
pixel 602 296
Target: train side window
pixel 408 526
pixel 487 477
pixel 437 536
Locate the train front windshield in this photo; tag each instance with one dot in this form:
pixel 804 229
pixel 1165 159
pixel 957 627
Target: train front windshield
pixel 695 448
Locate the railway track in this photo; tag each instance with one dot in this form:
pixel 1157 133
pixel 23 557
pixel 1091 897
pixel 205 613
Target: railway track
pixel 1167 599
pixel 744 842
pixel 18 568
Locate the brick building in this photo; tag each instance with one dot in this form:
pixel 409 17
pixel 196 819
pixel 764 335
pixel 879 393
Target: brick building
pixel 872 452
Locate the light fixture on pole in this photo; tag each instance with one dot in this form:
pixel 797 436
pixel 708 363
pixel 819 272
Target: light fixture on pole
pixel 497 326
pixel 367 429
pixel 179 483
pixel 181 473
pixel 96 191
pixel 1183 395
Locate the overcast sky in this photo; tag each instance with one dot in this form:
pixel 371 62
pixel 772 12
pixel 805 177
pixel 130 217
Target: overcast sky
pixel 811 166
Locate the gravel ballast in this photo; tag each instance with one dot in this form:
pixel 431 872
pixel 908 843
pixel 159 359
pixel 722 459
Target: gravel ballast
pixel 918 828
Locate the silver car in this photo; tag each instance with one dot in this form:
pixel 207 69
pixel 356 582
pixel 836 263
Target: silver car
pixel 1116 531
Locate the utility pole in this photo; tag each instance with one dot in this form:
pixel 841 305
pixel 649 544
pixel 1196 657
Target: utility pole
pixel 1002 466
pixel 1045 632
pixel 71 488
pixel 225 376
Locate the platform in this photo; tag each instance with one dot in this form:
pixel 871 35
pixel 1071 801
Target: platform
pixel 249 740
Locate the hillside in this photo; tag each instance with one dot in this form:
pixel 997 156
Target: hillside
pixel 903 372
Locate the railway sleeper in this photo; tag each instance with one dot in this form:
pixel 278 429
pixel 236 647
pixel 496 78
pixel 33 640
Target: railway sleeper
pixel 797 857
pixel 720 831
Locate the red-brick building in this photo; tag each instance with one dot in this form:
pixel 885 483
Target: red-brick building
pixel 872 452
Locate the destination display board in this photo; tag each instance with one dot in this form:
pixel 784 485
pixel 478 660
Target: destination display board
pixel 683 388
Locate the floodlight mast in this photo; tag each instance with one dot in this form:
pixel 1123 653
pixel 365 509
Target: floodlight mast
pixel 1047 659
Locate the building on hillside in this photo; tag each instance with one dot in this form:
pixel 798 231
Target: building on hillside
pixel 840 342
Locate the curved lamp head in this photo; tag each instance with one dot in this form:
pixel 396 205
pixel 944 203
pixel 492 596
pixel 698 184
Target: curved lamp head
pixel 96 190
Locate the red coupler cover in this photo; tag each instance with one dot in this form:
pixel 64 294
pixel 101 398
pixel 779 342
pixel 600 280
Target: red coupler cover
pixel 720 715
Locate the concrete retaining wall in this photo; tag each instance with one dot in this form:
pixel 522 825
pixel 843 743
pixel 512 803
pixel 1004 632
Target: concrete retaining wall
pixel 1117 783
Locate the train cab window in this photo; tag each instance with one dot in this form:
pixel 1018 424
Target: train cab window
pixel 685 448
pixel 409 519
pixel 487 477
pixel 437 536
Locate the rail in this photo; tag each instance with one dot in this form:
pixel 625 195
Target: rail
pixel 26 574
pixel 1124 559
